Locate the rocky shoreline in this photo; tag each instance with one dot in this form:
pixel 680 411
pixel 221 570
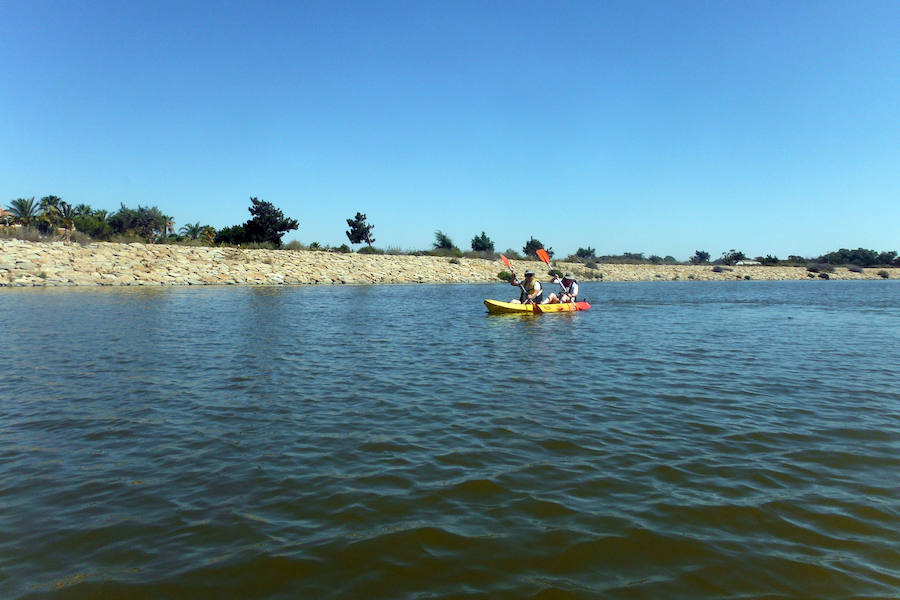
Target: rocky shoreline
pixel 51 264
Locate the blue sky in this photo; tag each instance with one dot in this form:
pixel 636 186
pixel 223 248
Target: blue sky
pixel 656 127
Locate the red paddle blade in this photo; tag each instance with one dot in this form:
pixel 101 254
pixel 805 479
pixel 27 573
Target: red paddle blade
pixel 506 262
pixel 542 254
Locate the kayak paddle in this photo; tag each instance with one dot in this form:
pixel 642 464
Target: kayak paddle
pixel 513 271
pixel 545 258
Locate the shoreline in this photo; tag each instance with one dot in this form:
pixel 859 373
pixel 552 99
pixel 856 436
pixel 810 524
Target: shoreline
pixel 57 264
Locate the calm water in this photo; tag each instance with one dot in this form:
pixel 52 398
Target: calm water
pixel 679 440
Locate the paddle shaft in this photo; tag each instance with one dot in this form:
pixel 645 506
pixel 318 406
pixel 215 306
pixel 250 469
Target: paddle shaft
pixel 545 258
pixel 513 271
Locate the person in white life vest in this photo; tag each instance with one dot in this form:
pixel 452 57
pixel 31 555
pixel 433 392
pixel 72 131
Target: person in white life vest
pixel 568 293
pixel 531 289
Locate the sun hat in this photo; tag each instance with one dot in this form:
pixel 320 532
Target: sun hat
pixel 529 272
pixel 568 275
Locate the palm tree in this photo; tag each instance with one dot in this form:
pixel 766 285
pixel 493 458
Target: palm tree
pixel 82 209
pixel 191 231
pixel 66 215
pixel 50 206
pixel 170 225
pixel 208 233
pixel 24 210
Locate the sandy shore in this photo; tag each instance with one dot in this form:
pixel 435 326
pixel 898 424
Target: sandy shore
pixel 56 264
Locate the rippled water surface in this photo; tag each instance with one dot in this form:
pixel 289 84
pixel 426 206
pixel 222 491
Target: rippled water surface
pixel 679 440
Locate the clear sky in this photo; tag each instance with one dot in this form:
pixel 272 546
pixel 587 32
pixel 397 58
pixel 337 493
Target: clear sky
pixel 655 127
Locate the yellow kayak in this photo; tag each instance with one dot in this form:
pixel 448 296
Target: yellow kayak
pixel 496 307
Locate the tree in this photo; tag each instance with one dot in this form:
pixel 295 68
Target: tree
pixel 532 246
pixel 208 234
pixel 586 253
pixel 268 223
pixel 234 235
pixel 23 210
pixel 49 217
pixel 732 256
pixel 442 241
pixel 700 257
pixel 191 231
pixel 148 223
pixel 359 231
pixel 91 222
pixel 482 243
pixel 66 215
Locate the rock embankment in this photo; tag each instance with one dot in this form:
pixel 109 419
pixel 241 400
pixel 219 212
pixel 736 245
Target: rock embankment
pixel 57 264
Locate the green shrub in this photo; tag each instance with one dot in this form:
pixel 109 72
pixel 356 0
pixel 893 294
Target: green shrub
pixel 855 269
pixel 294 245
pixel 504 275
pixel 42 275
pixel 746 277
pixel 454 251
pixel 343 249
pixel 811 275
pixel 824 276
pixel 512 254
pixel 884 274
pixel 454 261
pixel 81 238
pixel 820 268
pixel 369 250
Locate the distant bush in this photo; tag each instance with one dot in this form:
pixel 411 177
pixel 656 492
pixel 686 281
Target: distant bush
pixel 504 275
pixel 258 246
pixel 720 269
pixel 28 234
pixel 294 245
pixel 343 249
pixel 812 275
pixel 700 257
pixel 732 256
pixel 81 238
pixel 482 243
pixel 590 265
pixel 512 254
pixel 824 276
pixel 315 247
pixel 454 261
pixel 855 269
pixel 820 268
pixel 454 251
pixel 884 274
pixel 127 238
pixel 369 250
pixel 746 277
pixel 484 254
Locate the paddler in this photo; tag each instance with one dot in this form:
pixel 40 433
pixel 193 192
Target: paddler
pixel 568 293
pixel 531 289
